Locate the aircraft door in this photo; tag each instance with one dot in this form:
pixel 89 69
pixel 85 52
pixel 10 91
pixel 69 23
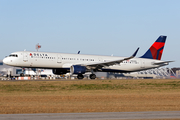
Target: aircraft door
pixel 100 59
pixel 59 58
pixel 25 56
pixel 142 64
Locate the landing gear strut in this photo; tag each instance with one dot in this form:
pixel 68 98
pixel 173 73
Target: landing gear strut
pixel 92 76
pixel 80 76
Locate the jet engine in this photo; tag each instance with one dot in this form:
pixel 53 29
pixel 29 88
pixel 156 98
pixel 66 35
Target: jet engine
pixel 77 69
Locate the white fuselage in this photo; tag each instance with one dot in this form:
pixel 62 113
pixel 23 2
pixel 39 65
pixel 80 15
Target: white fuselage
pixel 49 60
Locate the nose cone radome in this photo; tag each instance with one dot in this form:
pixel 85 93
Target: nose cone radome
pixel 5 61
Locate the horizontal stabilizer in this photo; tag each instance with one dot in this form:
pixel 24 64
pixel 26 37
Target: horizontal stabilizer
pixel 165 62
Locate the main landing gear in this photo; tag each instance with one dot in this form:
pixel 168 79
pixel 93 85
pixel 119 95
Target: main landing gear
pixel 80 76
pixel 91 76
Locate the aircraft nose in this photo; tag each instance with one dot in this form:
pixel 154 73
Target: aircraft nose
pixel 5 61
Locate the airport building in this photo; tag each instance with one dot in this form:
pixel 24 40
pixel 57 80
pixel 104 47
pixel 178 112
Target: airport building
pixel 178 73
pixel 9 71
pixel 15 72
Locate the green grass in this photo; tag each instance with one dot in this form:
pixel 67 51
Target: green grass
pixel 40 86
pixel 96 87
pixel 173 84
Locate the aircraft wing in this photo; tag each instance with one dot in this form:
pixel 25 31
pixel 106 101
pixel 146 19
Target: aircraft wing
pixel 99 65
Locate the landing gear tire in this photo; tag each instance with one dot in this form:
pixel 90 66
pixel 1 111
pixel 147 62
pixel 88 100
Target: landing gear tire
pixel 22 75
pixel 92 76
pixel 80 76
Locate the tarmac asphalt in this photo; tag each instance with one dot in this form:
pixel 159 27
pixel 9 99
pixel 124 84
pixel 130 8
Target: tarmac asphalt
pixel 94 116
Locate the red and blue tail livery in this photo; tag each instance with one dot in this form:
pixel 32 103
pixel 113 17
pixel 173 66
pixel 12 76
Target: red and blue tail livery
pixel 156 50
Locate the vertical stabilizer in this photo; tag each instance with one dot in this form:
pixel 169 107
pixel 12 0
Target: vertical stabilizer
pixel 156 50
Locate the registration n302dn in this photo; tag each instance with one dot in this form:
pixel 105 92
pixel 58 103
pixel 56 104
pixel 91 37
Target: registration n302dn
pixel 62 63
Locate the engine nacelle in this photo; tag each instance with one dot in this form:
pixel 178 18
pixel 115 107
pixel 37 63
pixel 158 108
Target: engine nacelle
pixel 59 71
pixel 77 69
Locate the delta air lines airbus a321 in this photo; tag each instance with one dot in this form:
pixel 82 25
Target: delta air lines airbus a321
pixel 62 63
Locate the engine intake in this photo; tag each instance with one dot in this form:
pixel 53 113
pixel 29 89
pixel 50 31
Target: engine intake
pixel 77 69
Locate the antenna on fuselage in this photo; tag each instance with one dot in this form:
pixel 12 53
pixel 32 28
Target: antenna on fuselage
pixel 38 47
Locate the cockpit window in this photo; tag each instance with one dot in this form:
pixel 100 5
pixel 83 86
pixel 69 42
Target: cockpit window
pixel 13 55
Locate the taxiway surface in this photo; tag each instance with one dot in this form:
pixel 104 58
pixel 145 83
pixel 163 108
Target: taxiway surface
pixel 94 116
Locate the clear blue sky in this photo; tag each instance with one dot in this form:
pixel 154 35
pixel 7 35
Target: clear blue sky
pixel 101 27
